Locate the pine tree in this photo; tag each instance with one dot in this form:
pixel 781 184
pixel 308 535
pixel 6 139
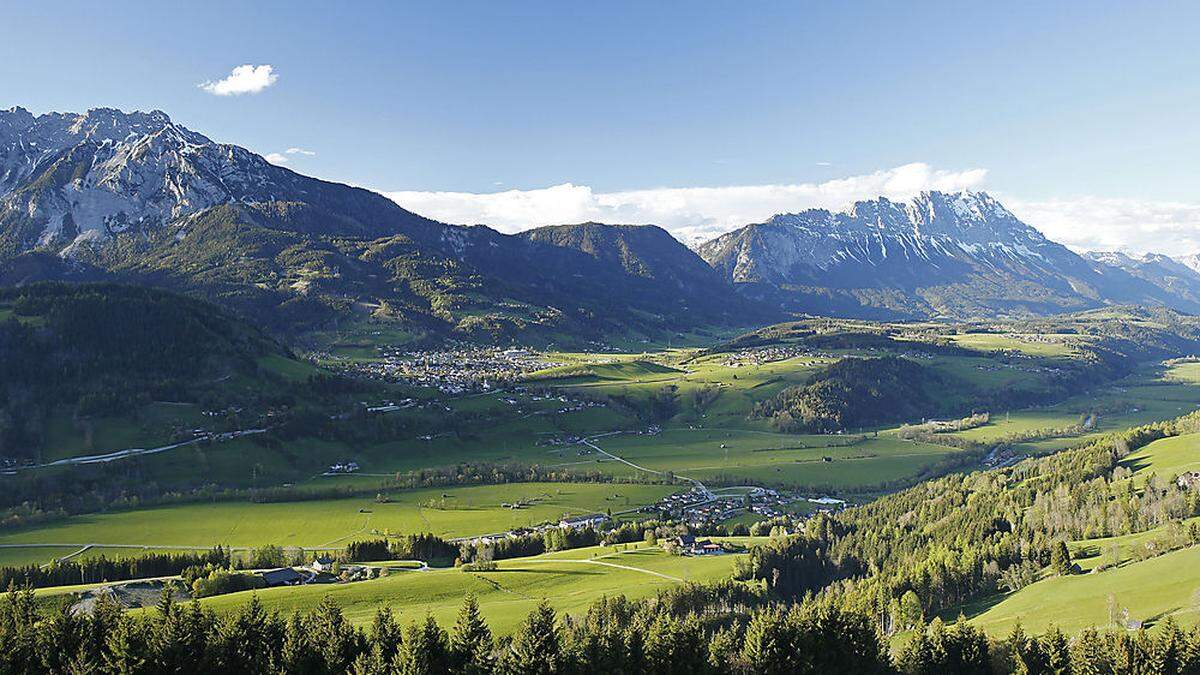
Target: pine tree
pixel 128 647
pixel 1060 559
pixel 386 635
pixel 62 638
pixel 674 646
pixel 425 650
pixel 471 641
pixel 768 647
pixel 1054 645
pixel 248 641
pixel 536 649
pixel 336 642
pixel 298 655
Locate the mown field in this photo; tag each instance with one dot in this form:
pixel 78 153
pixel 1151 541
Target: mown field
pixel 464 511
pixel 570 580
pixel 725 456
pixel 1151 590
pixel 1166 458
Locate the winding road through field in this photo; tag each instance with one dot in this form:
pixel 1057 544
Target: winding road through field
pixel 132 452
pixel 708 495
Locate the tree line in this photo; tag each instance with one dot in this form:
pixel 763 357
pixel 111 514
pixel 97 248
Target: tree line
pixel 692 631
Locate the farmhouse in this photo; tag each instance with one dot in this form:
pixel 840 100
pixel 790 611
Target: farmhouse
pixel 577 522
pixel 322 564
pixel 689 545
pixel 284 576
pixel 1188 479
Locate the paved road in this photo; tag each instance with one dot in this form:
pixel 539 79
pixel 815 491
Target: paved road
pixel 131 452
pixel 708 495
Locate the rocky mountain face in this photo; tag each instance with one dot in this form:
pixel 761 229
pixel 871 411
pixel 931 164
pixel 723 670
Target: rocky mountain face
pixel 136 197
pixel 1174 277
pixel 67 180
pixel 1192 261
pixel 952 255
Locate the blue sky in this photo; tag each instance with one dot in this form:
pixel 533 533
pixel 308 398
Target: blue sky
pixel 1058 102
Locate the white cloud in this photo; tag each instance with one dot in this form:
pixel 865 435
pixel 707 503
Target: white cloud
pixel 1105 224
pixel 300 151
pixel 276 158
pixel 244 79
pixel 696 214
pixel 691 214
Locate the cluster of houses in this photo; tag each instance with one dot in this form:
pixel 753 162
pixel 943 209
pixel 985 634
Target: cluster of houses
pixel 690 545
pixel 1188 480
pixel 757 357
pixel 320 571
pixel 342 467
pixel 389 406
pixel 699 507
pixel 454 371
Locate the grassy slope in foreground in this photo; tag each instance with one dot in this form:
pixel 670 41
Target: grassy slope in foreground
pixel 467 511
pixel 570 580
pixel 1152 590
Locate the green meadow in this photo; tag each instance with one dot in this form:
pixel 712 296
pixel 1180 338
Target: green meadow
pixel 1151 590
pixel 727 455
pixel 1165 458
pixel 570 580
pixel 463 511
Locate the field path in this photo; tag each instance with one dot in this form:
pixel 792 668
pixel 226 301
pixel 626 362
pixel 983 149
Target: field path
pixel 604 563
pixel 708 495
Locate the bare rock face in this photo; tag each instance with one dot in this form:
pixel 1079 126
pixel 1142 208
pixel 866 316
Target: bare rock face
pixel 942 254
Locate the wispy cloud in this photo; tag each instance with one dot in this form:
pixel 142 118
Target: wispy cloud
pixel 1104 224
pixel 1086 223
pixel 691 214
pixel 287 155
pixel 244 79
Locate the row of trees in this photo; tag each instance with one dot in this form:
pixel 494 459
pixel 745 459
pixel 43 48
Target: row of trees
pixel 691 631
pixel 100 568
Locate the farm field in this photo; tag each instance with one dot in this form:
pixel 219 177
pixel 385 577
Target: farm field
pixel 840 462
pixel 570 580
pixel 1165 458
pixel 1154 395
pixel 1152 590
pixel 332 523
pixel 1030 344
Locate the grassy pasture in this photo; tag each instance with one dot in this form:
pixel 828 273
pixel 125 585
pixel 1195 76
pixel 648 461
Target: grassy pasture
pixel 779 459
pixel 331 523
pixel 1044 345
pixel 570 580
pixel 1152 590
pixel 1165 457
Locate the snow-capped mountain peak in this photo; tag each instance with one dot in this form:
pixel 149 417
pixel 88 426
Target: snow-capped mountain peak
pixel 80 177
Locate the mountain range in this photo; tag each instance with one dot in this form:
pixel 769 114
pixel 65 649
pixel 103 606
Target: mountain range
pixel 135 197
pixel 940 255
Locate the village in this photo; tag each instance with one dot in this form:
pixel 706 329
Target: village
pixel 696 509
pixel 455 371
